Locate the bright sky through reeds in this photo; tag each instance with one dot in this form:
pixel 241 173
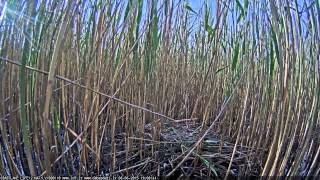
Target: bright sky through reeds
pixel 2 9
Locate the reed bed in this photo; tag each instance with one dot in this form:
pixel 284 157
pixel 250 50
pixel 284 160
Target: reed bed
pixel 147 87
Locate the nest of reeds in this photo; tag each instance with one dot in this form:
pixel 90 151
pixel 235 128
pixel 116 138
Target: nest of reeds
pixel 162 151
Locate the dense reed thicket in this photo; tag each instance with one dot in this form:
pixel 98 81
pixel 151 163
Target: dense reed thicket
pixel 92 87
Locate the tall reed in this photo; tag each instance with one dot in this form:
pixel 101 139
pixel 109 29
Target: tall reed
pixel 81 82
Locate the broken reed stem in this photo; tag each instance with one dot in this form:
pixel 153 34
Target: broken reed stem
pixel 92 90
